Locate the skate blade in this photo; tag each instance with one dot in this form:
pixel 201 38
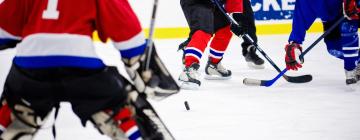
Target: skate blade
pixel 189 86
pixel 252 65
pixel 216 77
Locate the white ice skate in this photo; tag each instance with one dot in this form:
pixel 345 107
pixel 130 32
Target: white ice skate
pixel 190 77
pixel 351 79
pixel 216 71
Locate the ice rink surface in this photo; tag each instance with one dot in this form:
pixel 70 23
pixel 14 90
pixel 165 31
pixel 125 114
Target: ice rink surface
pixel 324 109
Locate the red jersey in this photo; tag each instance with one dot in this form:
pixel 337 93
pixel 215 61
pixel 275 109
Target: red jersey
pixel 234 6
pixel 58 33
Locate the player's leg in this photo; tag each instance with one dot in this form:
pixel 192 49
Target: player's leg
pixel 350 48
pixel 30 104
pixel 342 43
pixel 103 98
pixel 248 50
pixel 214 68
pixel 200 19
pixel 333 40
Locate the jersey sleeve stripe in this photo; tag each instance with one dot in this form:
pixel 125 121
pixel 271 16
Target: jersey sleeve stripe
pixel 129 53
pixel 131 43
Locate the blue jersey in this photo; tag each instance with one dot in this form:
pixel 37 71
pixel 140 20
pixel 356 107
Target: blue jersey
pixel 306 11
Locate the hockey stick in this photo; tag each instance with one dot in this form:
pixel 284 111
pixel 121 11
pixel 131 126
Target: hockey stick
pixel 292 79
pixel 151 34
pixel 268 83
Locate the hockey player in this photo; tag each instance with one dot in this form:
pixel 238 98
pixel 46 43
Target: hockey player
pixel 205 20
pixel 56 61
pixel 343 42
pixel 247 21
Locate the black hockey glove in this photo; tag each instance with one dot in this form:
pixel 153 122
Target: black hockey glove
pixel 238 30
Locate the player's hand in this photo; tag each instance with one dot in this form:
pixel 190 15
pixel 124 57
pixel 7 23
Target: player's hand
pixel 292 60
pixel 350 9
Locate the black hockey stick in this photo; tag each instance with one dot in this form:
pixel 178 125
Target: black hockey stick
pixel 161 83
pixel 292 79
pixel 151 34
pixel 268 83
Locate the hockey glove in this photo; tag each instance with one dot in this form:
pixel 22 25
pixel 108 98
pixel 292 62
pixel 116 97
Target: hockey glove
pixel 238 30
pixel 292 60
pixel 350 9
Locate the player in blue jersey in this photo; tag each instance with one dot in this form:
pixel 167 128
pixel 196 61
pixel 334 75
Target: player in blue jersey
pixel 342 42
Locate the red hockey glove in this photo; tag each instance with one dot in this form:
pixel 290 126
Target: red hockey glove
pixel 350 9
pixel 292 60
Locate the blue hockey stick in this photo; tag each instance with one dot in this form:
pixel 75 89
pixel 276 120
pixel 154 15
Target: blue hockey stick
pixel 268 83
pixel 292 79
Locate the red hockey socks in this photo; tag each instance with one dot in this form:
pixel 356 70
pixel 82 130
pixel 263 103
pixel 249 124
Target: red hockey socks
pixel 219 44
pixel 196 47
pixel 127 124
pixel 5 117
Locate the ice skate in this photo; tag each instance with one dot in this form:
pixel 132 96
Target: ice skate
pixel 351 79
pixel 216 71
pixel 252 59
pixel 190 77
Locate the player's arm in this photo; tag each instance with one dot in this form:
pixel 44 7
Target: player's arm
pixel 303 18
pixel 10 25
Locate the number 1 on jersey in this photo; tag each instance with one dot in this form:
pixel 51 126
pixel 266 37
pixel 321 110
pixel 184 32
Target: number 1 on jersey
pixel 51 10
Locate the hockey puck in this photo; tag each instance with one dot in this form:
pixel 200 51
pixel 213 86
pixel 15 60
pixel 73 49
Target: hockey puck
pixel 187 105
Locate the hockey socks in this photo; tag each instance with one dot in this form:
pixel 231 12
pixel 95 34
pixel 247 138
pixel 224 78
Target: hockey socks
pixel 219 44
pixel 196 47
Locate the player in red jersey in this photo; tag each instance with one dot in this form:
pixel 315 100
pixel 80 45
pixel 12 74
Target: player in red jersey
pixel 205 22
pixel 56 61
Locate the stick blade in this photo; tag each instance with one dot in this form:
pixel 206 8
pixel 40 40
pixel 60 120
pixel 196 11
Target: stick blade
pixel 298 79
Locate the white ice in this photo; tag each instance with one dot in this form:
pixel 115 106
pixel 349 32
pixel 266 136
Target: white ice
pixel 323 109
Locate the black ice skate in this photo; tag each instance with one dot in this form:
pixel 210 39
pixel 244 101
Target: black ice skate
pixel 252 59
pixel 216 71
pixel 190 77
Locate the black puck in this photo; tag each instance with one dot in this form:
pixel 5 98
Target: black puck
pixel 187 105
